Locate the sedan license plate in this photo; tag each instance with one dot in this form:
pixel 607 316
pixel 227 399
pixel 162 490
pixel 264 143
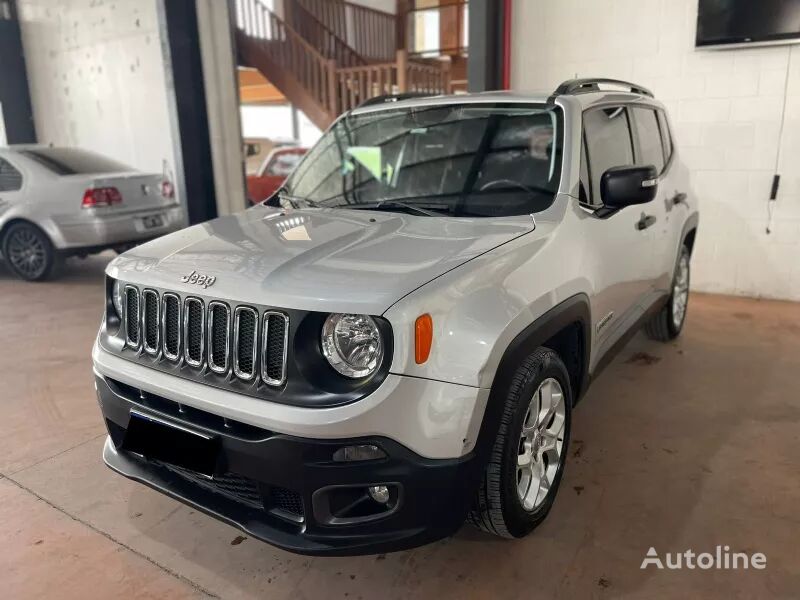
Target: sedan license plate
pixel 152 221
pixel 158 439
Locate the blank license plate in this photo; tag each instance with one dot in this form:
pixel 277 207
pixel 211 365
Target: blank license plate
pixel 152 221
pixel 160 440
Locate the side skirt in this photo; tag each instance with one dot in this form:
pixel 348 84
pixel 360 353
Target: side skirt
pixel 615 349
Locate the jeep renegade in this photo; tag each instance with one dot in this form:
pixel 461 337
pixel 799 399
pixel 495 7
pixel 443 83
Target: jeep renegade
pixel 394 342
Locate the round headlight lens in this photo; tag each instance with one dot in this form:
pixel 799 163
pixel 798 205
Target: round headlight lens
pixel 116 297
pixel 352 344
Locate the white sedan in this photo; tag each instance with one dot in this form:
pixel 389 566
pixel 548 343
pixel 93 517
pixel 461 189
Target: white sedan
pixel 58 202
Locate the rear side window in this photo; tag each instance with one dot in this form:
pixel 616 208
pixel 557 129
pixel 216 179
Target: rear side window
pixel 651 150
pixel 666 138
pixel 10 178
pixel 608 143
pixel 74 161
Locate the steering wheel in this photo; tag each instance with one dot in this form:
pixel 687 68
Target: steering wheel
pixel 490 184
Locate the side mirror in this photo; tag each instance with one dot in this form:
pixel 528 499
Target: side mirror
pixel 626 186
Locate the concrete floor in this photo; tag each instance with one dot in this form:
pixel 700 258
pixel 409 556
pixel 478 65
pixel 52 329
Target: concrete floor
pixel 681 446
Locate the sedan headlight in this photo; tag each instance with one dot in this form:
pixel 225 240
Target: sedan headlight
pixel 116 297
pixel 352 344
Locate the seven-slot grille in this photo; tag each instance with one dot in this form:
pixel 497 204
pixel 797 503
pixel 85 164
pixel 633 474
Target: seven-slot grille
pixel 223 338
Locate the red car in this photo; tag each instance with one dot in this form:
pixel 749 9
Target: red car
pixel 273 172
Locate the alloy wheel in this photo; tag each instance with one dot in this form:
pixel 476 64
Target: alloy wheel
pixel 27 252
pixel 541 444
pixel 680 292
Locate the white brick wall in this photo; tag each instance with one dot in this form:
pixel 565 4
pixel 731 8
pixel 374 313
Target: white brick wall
pixel 726 108
pixel 97 80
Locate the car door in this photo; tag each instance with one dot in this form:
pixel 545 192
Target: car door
pixel 619 244
pixel 651 149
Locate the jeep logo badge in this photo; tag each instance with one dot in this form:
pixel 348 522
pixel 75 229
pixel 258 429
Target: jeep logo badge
pixel 195 278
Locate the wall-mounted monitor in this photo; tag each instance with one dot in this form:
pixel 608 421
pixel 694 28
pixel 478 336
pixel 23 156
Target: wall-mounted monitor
pixel 732 23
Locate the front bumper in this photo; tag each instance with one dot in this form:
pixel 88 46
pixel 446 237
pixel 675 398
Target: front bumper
pixel 281 488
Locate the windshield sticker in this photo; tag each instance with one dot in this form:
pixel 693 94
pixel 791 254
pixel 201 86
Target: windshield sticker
pixel 369 157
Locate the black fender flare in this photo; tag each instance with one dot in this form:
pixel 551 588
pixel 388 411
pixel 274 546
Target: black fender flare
pixel 692 222
pixel 575 309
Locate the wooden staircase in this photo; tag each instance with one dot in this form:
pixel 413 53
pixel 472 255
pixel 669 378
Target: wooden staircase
pixel 317 70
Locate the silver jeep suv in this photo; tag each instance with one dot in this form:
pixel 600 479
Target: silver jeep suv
pixel 394 343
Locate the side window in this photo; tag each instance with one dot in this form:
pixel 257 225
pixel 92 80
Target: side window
pixel 666 138
pixel 10 178
pixel 608 143
pixel 651 151
pixel 583 192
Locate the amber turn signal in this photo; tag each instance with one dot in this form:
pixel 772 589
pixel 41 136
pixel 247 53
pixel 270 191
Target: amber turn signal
pixel 423 338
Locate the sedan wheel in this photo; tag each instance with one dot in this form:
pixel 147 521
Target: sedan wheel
pixel 28 252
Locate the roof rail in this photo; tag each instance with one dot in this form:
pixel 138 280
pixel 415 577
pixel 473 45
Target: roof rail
pixel 584 86
pixel 394 98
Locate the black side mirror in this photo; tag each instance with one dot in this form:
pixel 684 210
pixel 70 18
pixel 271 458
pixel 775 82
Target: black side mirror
pixel 625 186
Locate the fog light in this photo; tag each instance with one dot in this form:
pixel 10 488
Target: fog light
pixel 379 493
pixel 356 453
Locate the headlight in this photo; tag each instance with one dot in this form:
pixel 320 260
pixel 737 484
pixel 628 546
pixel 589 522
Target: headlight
pixel 352 344
pixel 116 297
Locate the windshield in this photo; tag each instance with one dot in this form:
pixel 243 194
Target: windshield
pixel 472 160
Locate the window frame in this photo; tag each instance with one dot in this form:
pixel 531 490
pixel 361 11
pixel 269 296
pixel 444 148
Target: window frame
pixel 4 159
pixel 663 123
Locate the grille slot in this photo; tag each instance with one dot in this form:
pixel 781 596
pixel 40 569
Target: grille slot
pixel 171 325
pixel 132 327
pixel 232 485
pixel 219 334
pixel 286 503
pixel 275 339
pixel 150 321
pixel 245 344
pixel 194 332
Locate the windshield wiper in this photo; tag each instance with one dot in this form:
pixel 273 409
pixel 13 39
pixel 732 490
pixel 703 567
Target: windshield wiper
pixel 284 196
pixel 390 204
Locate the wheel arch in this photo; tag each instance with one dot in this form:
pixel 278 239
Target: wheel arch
pixel 44 228
pixel 689 232
pixel 566 329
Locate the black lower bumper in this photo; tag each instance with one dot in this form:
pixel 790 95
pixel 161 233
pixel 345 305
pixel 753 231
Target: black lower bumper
pixel 289 491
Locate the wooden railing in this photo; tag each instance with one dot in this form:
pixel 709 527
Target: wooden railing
pixel 371 33
pixel 316 33
pixel 299 68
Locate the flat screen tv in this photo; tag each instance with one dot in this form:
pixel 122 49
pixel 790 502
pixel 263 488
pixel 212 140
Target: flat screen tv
pixel 724 23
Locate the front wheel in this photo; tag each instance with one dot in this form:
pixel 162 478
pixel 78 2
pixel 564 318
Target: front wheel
pixel 527 460
pixel 667 324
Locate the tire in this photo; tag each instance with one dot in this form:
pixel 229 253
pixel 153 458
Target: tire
pixel 28 252
pixel 667 324
pixel 499 508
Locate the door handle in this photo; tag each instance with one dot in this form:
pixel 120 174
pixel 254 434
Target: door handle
pixel 645 221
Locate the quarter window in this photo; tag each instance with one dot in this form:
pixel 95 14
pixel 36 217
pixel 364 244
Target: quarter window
pixel 10 178
pixel 651 151
pixel 608 143
pixel 666 138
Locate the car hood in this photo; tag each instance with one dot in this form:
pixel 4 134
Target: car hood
pixel 330 260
